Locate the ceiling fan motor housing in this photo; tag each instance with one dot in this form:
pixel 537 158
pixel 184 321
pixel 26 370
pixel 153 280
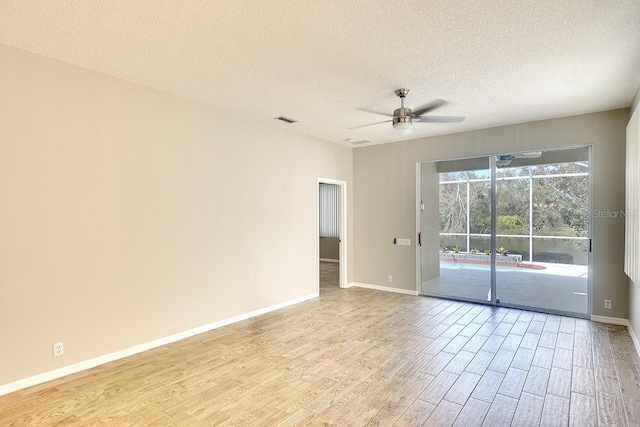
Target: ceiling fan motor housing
pixel 402 118
pixel 402 115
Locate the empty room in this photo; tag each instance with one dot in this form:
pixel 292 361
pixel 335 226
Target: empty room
pixel 410 213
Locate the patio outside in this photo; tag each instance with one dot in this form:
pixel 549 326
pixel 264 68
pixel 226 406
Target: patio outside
pixel 542 222
pixel 559 287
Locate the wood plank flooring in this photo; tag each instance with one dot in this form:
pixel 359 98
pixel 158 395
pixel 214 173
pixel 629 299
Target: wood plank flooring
pixel 358 357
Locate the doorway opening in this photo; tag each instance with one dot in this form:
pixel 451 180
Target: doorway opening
pixel 509 230
pixel 331 234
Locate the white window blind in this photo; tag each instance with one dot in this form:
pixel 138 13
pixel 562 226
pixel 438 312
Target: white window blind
pixel 632 201
pixel 329 196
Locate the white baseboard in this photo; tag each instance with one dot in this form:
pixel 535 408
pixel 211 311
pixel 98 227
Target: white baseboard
pixel 634 337
pixel 101 360
pixel 329 260
pixel 382 288
pixel 610 320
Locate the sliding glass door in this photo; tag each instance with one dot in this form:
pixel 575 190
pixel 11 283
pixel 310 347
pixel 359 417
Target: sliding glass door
pixel 543 229
pixel 510 230
pixel 456 222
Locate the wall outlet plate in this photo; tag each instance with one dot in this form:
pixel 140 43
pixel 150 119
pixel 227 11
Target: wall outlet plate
pixel 607 303
pixel 58 349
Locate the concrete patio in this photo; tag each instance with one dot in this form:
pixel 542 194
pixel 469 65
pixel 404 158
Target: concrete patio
pixel 560 287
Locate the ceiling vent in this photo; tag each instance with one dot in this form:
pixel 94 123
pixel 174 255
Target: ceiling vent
pixel 356 142
pixel 286 119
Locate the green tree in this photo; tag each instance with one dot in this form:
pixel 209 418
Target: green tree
pixel 511 224
pixel 480 207
pixel 453 208
pixel 558 202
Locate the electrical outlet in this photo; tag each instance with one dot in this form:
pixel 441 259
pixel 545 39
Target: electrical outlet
pixel 607 303
pixel 389 278
pixel 58 349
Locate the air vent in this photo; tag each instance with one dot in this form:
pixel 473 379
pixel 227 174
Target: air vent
pixel 286 119
pixel 356 142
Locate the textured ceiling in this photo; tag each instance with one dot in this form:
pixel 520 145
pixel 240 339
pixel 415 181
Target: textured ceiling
pixel 497 62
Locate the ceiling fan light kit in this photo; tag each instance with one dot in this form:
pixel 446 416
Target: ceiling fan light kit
pixel 402 124
pixel 505 159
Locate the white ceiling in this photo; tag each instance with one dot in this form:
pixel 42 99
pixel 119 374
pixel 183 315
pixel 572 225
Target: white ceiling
pixel 497 62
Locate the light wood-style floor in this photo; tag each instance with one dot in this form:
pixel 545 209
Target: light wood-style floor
pixel 360 357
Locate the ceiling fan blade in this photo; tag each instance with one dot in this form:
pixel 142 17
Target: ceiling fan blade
pixel 438 119
pixel 436 103
pixel 370 124
pixel 366 110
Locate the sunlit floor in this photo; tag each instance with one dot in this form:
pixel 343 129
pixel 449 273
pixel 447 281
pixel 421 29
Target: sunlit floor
pixel 359 357
pixel 560 287
pixel 329 277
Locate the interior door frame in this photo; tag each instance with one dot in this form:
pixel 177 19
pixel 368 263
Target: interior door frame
pixel 342 229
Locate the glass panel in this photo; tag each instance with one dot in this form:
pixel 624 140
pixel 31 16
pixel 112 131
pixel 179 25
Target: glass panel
pixel 542 223
pixel 453 260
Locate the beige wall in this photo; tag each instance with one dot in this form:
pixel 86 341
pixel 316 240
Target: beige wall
pixel 330 248
pixel 385 195
pixel 128 215
pixel 634 288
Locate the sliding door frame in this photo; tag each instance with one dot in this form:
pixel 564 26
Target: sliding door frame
pixel 495 300
pixel 494 229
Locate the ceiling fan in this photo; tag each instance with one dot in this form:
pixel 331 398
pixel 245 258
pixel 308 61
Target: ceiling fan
pixel 403 118
pixel 505 159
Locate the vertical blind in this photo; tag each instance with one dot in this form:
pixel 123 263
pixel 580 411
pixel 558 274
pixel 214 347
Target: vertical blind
pixel 632 198
pixel 329 194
